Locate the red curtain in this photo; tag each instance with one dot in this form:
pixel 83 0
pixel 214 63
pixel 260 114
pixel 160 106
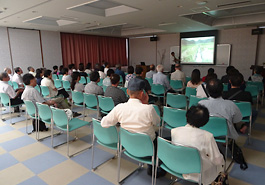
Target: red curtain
pixel 77 48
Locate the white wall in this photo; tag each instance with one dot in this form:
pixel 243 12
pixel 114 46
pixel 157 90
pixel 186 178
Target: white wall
pixel 243 51
pixel 25 47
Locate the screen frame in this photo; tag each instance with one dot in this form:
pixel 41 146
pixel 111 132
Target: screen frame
pixel 200 34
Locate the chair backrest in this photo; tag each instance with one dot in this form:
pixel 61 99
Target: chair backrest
pixel 82 80
pixel 245 108
pixel 106 104
pixel 45 112
pixel 104 87
pixel 260 85
pixel 5 100
pixel 37 87
pixel 174 117
pixel 150 80
pixel 45 91
pixel 124 90
pixel 157 89
pixel 54 76
pixel 10 83
pixel 194 100
pixel 59 118
pixel 100 83
pixel 157 110
pixel 15 85
pixel 121 79
pixel 90 100
pixel 30 108
pixel 105 135
pixel 225 87
pixel 178 158
pixel 217 126
pixel 60 77
pixel 77 97
pixel 178 101
pixel 188 78
pixel 253 89
pixel 138 145
pixel 66 85
pixel 176 84
pixel 190 91
pixel 58 83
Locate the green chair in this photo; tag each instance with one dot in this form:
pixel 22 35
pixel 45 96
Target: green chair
pixel 177 101
pixel 254 91
pixel 15 85
pixel 173 118
pixel 45 91
pixel 78 100
pixel 178 159
pixel 5 101
pixel 260 86
pixel 37 87
pixel 91 102
pixel 187 78
pixel 66 85
pixel 54 76
pixel 246 111
pixel 137 146
pixel 150 80
pixel 100 83
pixel 82 80
pixel 158 90
pixel 105 104
pixel 177 85
pixel 104 88
pixel 32 113
pixel 190 91
pixel 88 80
pixel 157 110
pixel 121 80
pixel 225 87
pixel 194 100
pixel 124 89
pixel 60 77
pixel 10 83
pixel 58 83
pixel 61 121
pixel 107 137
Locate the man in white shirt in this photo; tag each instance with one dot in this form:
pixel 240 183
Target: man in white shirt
pixel 192 135
pixel 173 61
pixel 31 71
pixel 17 76
pixel 66 76
pixel 178 74
pixel 9 72
pixel 152 71
pixel 15 97
pixel 160 78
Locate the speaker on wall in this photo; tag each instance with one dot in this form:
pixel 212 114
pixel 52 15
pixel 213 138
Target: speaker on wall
pixel 257 31
pixel 153 39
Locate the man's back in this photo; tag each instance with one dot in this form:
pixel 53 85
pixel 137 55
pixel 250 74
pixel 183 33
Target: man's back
pixel 116 94
pixel 93 88
pixel 178 75
pixel 237 94
pixel 160 78
pixel 150 74
pixel 6 88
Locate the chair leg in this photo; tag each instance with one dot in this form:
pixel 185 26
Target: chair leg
pixel 249 130
pixel 153 169
pixel 157 161
pixel 119 163
pixel 92 160
pixel 68 143
pixel 52 134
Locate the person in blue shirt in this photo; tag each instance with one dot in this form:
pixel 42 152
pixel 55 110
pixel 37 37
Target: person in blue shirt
pixel 118 71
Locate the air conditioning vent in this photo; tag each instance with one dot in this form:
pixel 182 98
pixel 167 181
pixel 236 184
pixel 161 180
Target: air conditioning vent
pixel 232 3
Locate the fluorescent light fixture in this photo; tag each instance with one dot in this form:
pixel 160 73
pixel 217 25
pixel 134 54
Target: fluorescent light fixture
pixel 93 1
pixel 32 19
pixel 261 26
pixel 140 37
pixel 167 23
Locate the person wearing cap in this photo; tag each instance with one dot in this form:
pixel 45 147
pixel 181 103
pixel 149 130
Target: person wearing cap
pixel 135 115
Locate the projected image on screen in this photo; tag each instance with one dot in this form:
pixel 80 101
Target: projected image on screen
pixel 197 50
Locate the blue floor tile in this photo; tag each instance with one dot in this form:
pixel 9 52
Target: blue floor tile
pixel 256 144
pixel 44 161
pixel 7 160
pixel 86 138
pixel 90 178
pixel 18 143
pixel 15 119
pixel 34 180
pixel 253 175
pixel 5 129
pixel 84 158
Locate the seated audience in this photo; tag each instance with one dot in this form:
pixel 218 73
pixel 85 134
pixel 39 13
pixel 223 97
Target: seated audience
pixel 17 76
pixel 31 71
pixel 88 68
pixel 70 69
pixel 47 81
pixel 152 71
pixel 129 76
pixel 160 78
pixel 60 69
pixel 225 78
pixel 178 74
pixel 201 89
pixel 106 67
pixel 139 74
pixel 15 97
pixel 219 107
pixel 106 81
pixel 118 71
pixel 55 70
pixel 9 72
pixel 92 87
pixel 101 72
pixel 97 67
pixel 192 135
pixel 195 79
pixel 257 77
pixel 39 75
pixel 210 71
pixel 75 85
pixel 114 91
pixel 66 76
pixel 82 70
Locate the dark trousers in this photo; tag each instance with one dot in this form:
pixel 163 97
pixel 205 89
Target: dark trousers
pixel 16 101
pixel 42 125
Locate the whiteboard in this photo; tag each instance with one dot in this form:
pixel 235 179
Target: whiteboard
pixel 223 52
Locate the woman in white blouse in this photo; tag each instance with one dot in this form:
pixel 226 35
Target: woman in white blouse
pixel 195 79
pixel 192 135
pixel 75 85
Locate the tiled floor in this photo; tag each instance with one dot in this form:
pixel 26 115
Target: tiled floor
pixel 26 161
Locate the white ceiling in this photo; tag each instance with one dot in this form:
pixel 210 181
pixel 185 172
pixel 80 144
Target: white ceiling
pixel 146 16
